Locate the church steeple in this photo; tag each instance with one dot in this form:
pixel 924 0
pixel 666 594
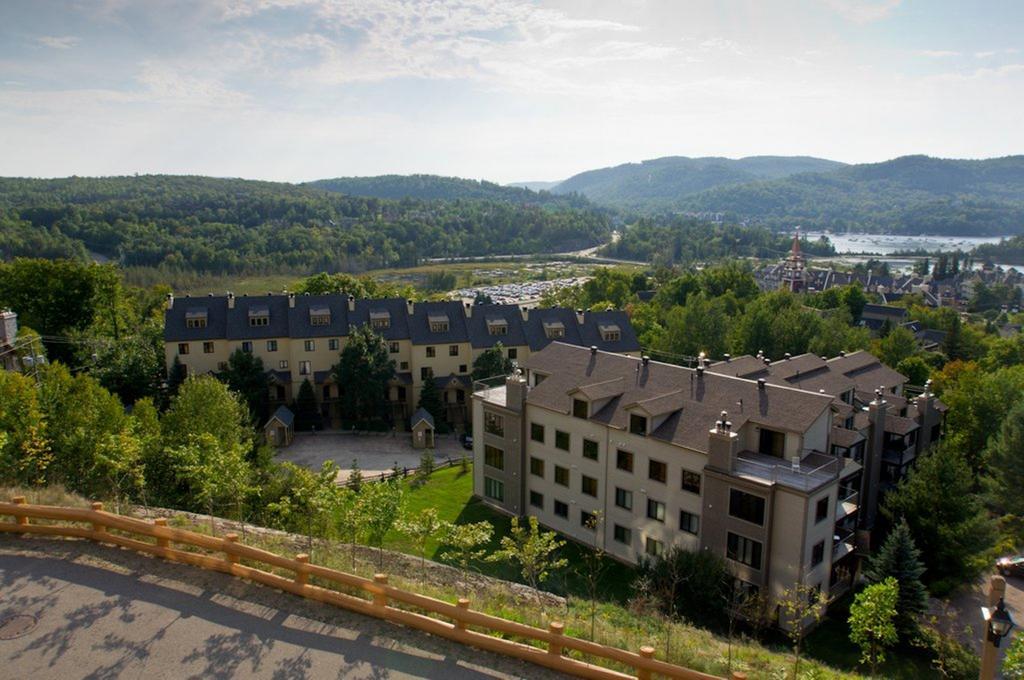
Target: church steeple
pixel 793 270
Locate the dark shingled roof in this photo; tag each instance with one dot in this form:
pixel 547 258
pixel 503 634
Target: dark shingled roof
pixel 846 438
pixel 884 311
pixel 284 414
pixel 898 425
pixel 421 414
pixel 700 399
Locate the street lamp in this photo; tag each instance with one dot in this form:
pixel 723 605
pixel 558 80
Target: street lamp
pixel 999 622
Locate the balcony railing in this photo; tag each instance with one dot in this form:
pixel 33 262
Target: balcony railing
pixel 813 470
pixel 843 543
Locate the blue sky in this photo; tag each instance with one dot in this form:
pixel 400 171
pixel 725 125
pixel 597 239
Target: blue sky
pixel 505 90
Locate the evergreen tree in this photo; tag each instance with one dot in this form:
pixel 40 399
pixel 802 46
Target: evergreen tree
pixel 492 362
pixel 900 559
pixel 176 376
pixel 246 375
pixel 306 415
pixel 1005 456
pixel 364 369
pixel 430 399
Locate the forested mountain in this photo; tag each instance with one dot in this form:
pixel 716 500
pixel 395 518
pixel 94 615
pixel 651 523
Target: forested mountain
pixel 230 226
pixel 430 187
pixel 535 186
pixel 661 182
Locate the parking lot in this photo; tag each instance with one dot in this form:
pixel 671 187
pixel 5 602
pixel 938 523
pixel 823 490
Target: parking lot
pixel 375 453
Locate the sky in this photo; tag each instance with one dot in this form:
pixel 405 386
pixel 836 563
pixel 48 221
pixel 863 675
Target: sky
pixel 504 90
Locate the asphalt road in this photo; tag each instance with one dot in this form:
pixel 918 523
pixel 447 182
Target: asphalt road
pixel 103 613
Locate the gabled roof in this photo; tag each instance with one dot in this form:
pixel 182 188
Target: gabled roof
pixel 421 415
pixel 600 390
pixel 284 415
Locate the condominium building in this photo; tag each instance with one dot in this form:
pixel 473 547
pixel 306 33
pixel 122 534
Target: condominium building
pixel 635 456
pixel 300 337
pixel 8 338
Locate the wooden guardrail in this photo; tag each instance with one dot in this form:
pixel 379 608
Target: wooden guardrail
pixel 223 554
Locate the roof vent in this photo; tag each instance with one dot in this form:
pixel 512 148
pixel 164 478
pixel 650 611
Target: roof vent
pixel 760 383
pixel 700 371
pixel 727 357
pixel 593 349
pixel 842 352
pixel 787 356
pixel 645 359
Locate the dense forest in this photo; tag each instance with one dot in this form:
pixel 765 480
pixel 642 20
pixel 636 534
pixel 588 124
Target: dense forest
pixel 233 226
pixel 682 240
pixel 662 181
pixel 1007 251
pixel 434 187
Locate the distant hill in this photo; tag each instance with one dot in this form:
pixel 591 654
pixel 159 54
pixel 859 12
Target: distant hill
pixel 436 187
pixel 911 195
pixel 662 182
pixel 535 186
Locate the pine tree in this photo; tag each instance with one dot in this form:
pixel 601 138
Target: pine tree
pixel 306 415
pixel 900 559
pixel 430 399
pixel 175 376
pixel 1005 455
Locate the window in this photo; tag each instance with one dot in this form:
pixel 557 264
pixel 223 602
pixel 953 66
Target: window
pixel 380 320
pixel 260 320
pixel 654 547
pixel 590 449
pixel 588 485
pixel 655 510
pixel 247 347
pixel 621 534
pixel 439 324
pixel 624 460
pixel 494 457
pixel 305 367
pixel 611 336
pixel 657 471
pixel 497 327
pixel 207 348
pixel 463 369
pixel 282 364
pixel 199 322
pixel 772 443
pixel 579 408
pixel 453 350
pixel 513 353
pixel 271 345
pixel 319 318
pixel 689 522
pixel 746 506
pixel 309 345
pixel 494 423
pixel 818 553
pixel 588 520
pixel 561 440
pixel 561 475
pixel 623 498
pixel 182 348
pixel 403 366
pixel 691 482
pixel 426 372
pixel 743 550
pixel 821 510
pixel 537 432
pixel 536 466
pixel 431 352
pixel 392 348
pixel 554 330
pixel 561 509
pixel 537 499
pixel 637 424
pixel 494 489
pixel 333 344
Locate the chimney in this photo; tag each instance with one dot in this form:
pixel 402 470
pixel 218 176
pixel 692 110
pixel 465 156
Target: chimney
pixel 700 370
pixel 526 313
pixel 170 301
pixel 723 444
pixel 877 411
pixel 351 303
pixel 515 391
pixel 579 316
pixel 231 300
pixel 469 310
pixel 410 307
pixel 927 417
pixel 291 300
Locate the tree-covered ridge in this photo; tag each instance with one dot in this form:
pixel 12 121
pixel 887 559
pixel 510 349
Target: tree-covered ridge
pixel 661 182
pixel 912 195
pixel 1007 251
pixel 683 240
pixel 436 187
pixel 235 226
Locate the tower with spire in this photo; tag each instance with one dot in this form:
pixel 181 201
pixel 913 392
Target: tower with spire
pixel 793 275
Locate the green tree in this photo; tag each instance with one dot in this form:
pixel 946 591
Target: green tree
pixel 422 527
pixel 1013 662
pixel 25 454
pixel 898 345
pixel 204 405
pixel 430 399
pixel 801 606
pixel 916 369
pixel 464 544
pixel 380 508
pixel 1005 463
pixel 176 375
pixel 900 559
pixel 492 362
pixel 212 477
pixel 348 517
pixel 363 372
pixel 247 377
pixel 945 516
pixel 532 549
pixel 872 621
pixel 131 367
pixel 701 326
pixel 306 414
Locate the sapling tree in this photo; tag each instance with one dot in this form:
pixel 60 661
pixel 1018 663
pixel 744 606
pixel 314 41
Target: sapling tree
pixel 873 621
pixel 421 527
pixel 532 549
pixel 802 606
pixel 464 544
pixel 381 506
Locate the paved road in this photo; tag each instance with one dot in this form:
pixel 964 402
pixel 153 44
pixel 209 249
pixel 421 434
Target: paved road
pixel 109 613
pixel 375 453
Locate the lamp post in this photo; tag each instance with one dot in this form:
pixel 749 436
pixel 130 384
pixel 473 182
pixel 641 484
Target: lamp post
pixel 998 624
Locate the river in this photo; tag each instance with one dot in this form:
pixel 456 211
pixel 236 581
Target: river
pixel 887 244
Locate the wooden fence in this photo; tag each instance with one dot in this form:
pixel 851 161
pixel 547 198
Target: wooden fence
pixel 452 621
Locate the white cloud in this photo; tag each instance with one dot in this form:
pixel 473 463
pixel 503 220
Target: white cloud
pixel 986 54
pixel 58 42
pixel 863 11
pixel 938 54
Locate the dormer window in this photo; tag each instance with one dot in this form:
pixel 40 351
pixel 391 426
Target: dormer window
pixel 610 332
pixel 195 318
pixel 319 316
pixel 259 315
pixel 554 329
pixel 380 319
pixel 580 408
pixel 497 326
pixel 638 424
pixel 438 323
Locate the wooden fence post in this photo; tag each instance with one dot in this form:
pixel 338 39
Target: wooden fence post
pixel 380 599
pixel 555 646
pixel 301 575
pixel 227 541
pixel 98 527
pixel 737 675
pixel 162 542
pixel 647 653
pixel 20 519
pixel 462 604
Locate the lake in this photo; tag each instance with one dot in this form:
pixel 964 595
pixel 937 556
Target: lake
pixel 886 244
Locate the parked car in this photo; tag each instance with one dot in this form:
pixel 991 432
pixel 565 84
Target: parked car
pixel 1011 566
pixel 467 441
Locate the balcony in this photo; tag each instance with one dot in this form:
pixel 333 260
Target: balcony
pixel 812 471
pixel 844 542
pixel 848 505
